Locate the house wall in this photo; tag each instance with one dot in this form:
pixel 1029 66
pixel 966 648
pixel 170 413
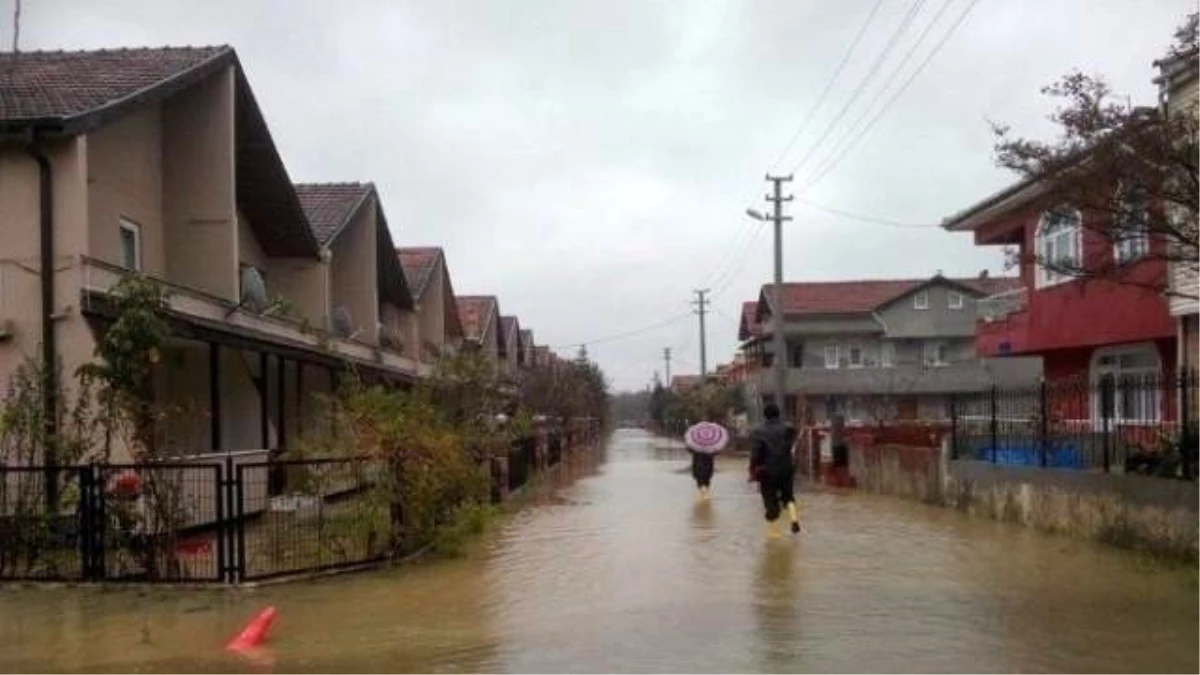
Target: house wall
pixel 906 351
pixel 303 283
pixel 1081 313
pixel 902 320
pixel 400 323
pixel 352 274
pixel 124 180
pixel 198 182
pixel 20 261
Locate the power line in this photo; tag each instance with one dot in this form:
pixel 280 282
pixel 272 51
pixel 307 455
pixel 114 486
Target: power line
pixel 899 92
pixel 812 110
pixel 888 81
pixel 887 49
pixel 626 334
pixel 865 218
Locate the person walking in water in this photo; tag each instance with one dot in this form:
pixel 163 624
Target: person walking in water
pixel 772 465
pixel 702 471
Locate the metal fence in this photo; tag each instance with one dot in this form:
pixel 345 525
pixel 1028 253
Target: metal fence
pixel 219 521
pixel 1141 424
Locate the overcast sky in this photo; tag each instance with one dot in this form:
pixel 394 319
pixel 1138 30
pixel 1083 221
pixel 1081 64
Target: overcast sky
pixel 590 162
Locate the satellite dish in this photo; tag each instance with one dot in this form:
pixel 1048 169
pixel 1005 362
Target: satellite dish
pixel 254 289
pixel 343 323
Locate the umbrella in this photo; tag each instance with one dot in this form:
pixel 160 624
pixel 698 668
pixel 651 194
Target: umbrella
pixel 706 438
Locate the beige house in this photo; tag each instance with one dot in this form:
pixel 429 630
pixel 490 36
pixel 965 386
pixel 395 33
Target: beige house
pixel 437 328
pixel 512 351
pixel 159 161
pixel 480 317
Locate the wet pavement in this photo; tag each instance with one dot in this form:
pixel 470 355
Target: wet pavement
pixel 615 566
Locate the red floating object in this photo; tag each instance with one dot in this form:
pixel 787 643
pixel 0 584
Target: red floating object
pixel 255 632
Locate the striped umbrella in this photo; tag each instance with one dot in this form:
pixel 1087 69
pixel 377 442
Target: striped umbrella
pixel 706 438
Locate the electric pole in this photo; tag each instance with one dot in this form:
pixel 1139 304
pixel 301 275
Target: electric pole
pixel 779 360
pixel 702 307
pixel 667 362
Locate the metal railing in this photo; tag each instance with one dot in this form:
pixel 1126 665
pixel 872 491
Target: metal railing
pixel 999 306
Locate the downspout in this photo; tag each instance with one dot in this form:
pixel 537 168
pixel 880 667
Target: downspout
pixel 50 378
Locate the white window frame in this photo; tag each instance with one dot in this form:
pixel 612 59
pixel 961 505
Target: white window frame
pixel 1150 374
pixel 1130 249
pixel 1063 242
pixel 921 300
pixel 861 356
pixel 887 354
pixel 955 300
pixel 126 225
pixel 831 364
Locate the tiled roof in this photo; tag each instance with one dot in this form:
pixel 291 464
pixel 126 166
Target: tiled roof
pixel 852 297
pixel 684 381
pixel 43 85
pixel 418 262
pixel 749 326
pixel 329 206
pixel 476 313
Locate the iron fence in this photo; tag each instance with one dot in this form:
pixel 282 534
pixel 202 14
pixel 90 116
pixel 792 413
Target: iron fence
pixel 211 520
pixel 1134 424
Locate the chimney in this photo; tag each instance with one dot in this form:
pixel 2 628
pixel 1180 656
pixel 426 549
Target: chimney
pixel 983 274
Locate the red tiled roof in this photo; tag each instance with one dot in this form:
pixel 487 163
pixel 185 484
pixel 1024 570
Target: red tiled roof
pixel 330 205
pixel 684 381
pixel 852 297
pixel 418 262
pixel 749 326
pixel 43 84
pixel 476 313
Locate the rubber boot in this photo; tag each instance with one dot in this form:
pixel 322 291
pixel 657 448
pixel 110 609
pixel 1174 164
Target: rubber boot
pixel 706 493
pixel 773 529
pixel 795 515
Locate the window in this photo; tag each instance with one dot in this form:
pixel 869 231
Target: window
pixel 797 352
pixel 1134 374
pixel 831 356
pixel 855 357
pixel 1130 232
pixel 937 353
pixel 131 245
pixel 887 354
pixel 921 300
pixel 955 300
pixel 1059 245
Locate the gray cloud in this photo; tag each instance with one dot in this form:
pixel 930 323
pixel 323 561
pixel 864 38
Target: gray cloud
pixel 589 162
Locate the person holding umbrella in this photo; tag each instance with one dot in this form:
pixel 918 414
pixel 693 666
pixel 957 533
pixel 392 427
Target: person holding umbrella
pixel 704 441
pixel 771 464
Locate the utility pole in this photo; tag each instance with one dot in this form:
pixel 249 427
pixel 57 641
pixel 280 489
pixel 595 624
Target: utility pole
pixel 667 362
pixel 779 360
pixel 701 308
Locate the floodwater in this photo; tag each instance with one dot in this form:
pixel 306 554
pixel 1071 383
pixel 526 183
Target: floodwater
pixel 618 568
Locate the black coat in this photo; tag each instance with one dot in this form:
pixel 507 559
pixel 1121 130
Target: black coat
pixel 771 453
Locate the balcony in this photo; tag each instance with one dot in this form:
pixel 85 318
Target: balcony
pixel 211 314
pixel 965 376
pixel 1002 305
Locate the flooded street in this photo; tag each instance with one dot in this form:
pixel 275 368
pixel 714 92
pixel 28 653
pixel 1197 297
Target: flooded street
pixel 621 569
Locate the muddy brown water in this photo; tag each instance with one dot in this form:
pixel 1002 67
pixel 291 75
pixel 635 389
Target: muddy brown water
pixel 615 567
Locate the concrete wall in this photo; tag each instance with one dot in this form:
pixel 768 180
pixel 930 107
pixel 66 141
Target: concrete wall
pixel 902 320
pixel 432 311
pixel 1128 511
pixel 352 274
pixel 199 197
pixel 125 181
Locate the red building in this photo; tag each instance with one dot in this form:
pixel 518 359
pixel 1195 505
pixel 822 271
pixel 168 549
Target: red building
pixel 1085 329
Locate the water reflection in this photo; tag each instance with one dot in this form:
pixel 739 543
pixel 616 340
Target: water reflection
pixel 776 604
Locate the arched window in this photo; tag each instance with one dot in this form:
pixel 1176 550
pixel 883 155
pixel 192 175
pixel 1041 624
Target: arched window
pixel 1131 220
pixel 1059 246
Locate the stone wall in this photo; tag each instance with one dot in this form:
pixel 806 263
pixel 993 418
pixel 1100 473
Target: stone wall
pixel 900 470
pixel 1153 514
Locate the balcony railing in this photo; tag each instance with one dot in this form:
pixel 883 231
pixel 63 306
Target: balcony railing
pixel 100 276
pixel 1001 305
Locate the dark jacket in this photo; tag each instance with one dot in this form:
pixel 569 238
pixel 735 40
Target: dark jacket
pixel 771 453
pixel 702 464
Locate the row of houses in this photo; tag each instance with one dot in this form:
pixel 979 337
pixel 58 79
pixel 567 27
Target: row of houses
pixel 900 349
pixel 159 162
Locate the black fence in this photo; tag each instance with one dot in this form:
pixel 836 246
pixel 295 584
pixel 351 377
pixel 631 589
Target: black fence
pixel 1133 424
pixel 209 520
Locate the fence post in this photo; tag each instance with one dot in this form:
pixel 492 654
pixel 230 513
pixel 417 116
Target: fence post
pixel 1186 439
pixel 953 426
pixel 87 566
pixel 1106 411
pixel 994 427
pixel 1043 425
